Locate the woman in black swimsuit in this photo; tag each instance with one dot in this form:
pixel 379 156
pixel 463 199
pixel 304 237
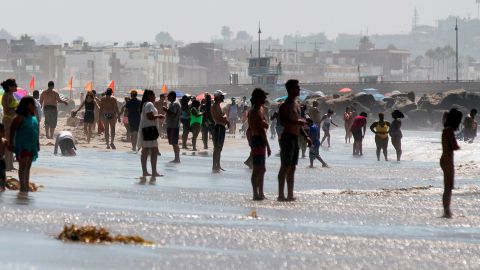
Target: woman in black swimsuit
pixel 89 115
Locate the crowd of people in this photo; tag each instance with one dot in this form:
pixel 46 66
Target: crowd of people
pixel 295 125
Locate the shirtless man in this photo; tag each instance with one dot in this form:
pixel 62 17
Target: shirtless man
pixel 218 135
pixel 258 125
pixel 109 113
pixel 292 122
pixel 49 100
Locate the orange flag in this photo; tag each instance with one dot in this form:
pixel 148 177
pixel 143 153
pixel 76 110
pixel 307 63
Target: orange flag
pixel 32 83
pixel 89 86
pixel 164 89
pixel 70 84
pixel 111 85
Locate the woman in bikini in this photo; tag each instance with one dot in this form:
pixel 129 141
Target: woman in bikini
pixel 9 104
pixel 89 117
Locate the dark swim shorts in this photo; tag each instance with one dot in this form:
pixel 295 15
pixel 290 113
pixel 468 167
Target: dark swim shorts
pixel 289 149
pixel 51 116
pixel 172 135
pixel 357 134
pixel 218 136
pixel 258 151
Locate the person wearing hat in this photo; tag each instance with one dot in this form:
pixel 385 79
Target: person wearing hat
pixel 257 129
pixel 218 135
pixel 232 114
pixel 395 132
pixel 292 122
pixel 110 114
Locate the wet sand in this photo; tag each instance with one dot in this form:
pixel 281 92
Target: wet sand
pixel 358 214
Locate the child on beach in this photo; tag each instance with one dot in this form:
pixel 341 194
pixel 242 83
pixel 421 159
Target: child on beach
pixel 258 126
pixel 24 140
pixel 3 144
pixel 314 148
pixel 327 120
pixel 449 144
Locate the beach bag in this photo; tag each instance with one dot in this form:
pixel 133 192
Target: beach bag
pixel 150 133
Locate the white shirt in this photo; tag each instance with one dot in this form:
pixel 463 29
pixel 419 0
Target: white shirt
pixel 148 108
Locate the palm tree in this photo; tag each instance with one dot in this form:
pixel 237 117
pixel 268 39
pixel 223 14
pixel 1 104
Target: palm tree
pixel 429 55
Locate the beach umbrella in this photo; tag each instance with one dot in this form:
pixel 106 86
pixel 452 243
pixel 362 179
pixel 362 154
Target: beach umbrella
pixel 370 90
pixel 200 96
pixel 345 90
pixel 280 99
pixel 396 92
pixel 378 96
pixel 179 93
pixel 20 93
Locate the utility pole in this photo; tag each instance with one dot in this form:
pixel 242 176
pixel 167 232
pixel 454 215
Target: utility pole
pixel 456 49
pixel 259 32
pixel 315 43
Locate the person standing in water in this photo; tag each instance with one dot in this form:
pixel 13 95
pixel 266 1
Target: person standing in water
pixel 196 118
pixel 49 100
pixel 3 147
pixel 258 126
pixel 133 113
pixel 449 144
pixel 9 104
pixel 327 122
pixel 348 120
pixel 359 123
pixel 172 122
pixel 395 132
pixel 470 126
pixel 292 122
pixel 207 121
pixel 110 114
pixel 219 130
pixel 89 116
pixel 24 140
pixel 380 128
pixel 315 147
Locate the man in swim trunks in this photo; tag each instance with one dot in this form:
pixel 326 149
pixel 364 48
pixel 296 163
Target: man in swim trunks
pixel 258 125
pixel 133 114
pixel 218 135
pixel 110 114
pixel 292 122
pixel 172 121
pixel 65 141
pixel 49 100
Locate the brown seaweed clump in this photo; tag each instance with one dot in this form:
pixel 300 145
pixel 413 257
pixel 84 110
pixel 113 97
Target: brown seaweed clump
pixel 94 235
pixel 14 184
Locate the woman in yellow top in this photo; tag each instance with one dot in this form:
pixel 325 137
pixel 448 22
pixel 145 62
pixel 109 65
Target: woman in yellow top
pixel 380 128
pixel 9 104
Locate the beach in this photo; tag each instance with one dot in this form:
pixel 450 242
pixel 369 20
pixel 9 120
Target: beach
pixel 358 214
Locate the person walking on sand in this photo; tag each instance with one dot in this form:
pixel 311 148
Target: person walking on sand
pixel 172 121
pixel 348 120
pixel 9 104
pixel 380 128
pixel 232 114
pixel 258 126
pixel 89 116
pixel 314 148
pixel 49 100
pixel 449 144
pixel 218 135
pixel 24 140
pixel 292 122
pixel 148 133
pixel 196 118
pixel 395 132
pixel 327 122
pixel 359 123
pixel 133 108
pixel 110 114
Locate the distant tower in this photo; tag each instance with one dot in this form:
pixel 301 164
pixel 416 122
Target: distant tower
pixel 415 20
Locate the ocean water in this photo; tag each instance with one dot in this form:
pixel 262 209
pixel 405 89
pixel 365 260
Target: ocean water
pixel 358 214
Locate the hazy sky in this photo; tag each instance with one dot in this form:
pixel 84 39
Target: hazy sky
pixel 196 20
